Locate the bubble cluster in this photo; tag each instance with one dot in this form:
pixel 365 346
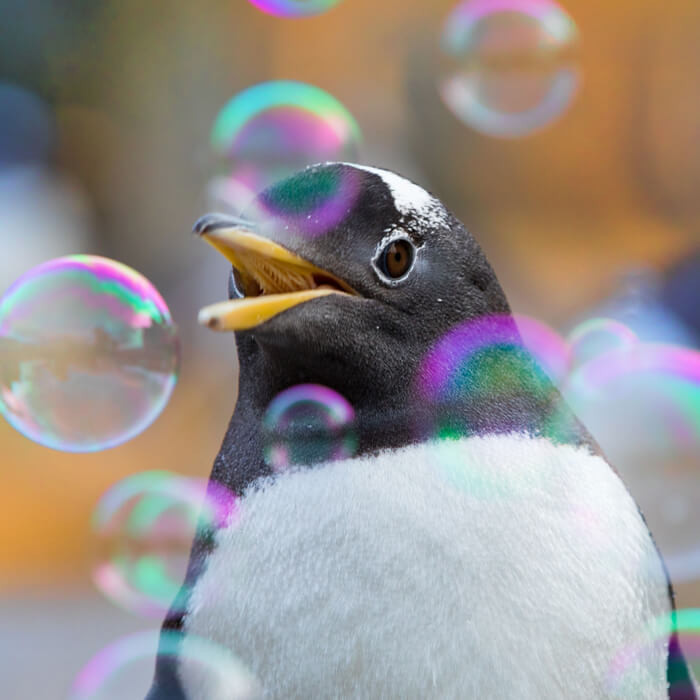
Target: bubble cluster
pixel 509 66
pixel 125 668
pixel 306 424
pixel 271 130
pixel 294 8
pixel 144 527
pixel 89 354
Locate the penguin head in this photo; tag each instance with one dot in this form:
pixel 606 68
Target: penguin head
pixel 345 275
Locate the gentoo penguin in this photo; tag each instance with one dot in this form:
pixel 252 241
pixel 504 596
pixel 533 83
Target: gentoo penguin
pixel 476 544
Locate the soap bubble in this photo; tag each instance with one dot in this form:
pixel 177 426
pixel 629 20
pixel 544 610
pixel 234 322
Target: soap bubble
pixel 294 8
pixel 89 354
pixel 274 129
pixel 306 424
pixel 509 65
pixel 642 404
pixel 144 526
pixel 484 365
pixel 124 668
pixel 597 336
pixel 627 677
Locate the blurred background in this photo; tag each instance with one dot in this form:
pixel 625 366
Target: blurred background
pixel 576 165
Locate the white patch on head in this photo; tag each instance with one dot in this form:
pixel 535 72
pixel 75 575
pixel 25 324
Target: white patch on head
pixel 409 198
pixel 489 567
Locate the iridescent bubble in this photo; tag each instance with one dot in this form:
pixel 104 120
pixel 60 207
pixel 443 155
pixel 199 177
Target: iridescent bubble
pixel 510 65
pixel 294 8
pixel 626 676
pixel 642 404
pixel 483 366
pixel 597 336
pixel 306 424
pixel 89 354
pixel 144 527
pixel 274 129
pixel 124 669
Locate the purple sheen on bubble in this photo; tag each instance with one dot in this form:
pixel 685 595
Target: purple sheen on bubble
pixel 306 424
pixel 509 65
pixel 114 672
pixel 144 527
pixel 294 8
pixel 89 354
pixel 310 211
pixel 466 340
pixel 271 130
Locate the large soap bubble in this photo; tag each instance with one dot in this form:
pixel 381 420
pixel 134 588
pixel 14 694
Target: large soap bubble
pixel 509 65
pixel 272 130
pixel 88 354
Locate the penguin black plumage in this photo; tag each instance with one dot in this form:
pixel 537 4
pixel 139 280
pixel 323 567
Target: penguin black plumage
pixel 408 571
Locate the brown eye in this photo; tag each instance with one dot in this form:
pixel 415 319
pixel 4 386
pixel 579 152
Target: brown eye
pixel 396 259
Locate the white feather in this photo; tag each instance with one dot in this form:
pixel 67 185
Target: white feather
pixel 490 567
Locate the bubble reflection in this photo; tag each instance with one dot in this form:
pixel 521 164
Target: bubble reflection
pixel 89 354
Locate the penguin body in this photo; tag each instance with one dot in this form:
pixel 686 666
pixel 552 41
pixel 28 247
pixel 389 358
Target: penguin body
pixel 505 561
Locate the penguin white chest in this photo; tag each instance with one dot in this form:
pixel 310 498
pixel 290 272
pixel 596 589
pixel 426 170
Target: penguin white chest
pixel 497 566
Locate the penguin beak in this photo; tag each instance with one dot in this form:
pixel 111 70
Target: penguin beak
pixel 273 278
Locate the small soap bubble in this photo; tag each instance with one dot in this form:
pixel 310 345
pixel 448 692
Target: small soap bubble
pixel 272 130
pixel 597 336
pixel 509 66
pixel 306 424
pixel 89 354
pixel 144 527
pixel 294 8
pixel 124 668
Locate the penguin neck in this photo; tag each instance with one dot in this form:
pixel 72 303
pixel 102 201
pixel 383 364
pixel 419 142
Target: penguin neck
pixel 383 418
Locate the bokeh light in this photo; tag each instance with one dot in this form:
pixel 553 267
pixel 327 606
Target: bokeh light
pixel 144 527
pixel 27 129
pixel 271 130
pixel 306 424
pixel 89 354
pixel 294 8
pixel 124 666
pixel 509 65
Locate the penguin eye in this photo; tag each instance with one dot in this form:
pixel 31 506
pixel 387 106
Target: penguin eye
pixel 396 259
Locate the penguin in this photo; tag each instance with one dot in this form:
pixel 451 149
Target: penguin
pixel 475 544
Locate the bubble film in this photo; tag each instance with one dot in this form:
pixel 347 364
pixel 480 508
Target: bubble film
pixel 144 527
pixel 294 8
pixel 509 66
pixel 306 424
pixel 272 130
pixel 623 679
pixel 124 668
pixel 89 354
